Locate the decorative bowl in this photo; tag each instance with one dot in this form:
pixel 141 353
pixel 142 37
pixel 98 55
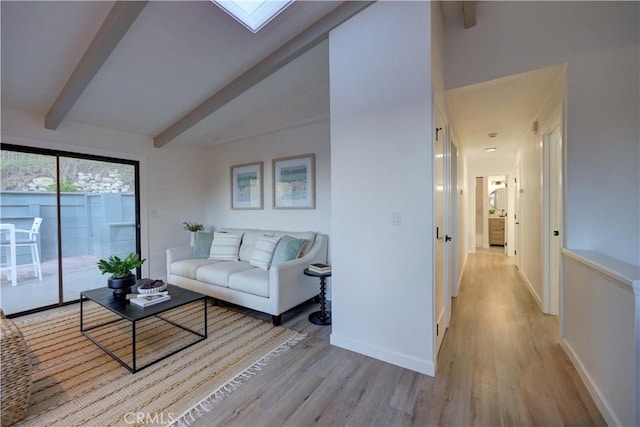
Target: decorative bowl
pixel 150 286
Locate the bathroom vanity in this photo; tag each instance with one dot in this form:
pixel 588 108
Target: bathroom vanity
pixel 496 231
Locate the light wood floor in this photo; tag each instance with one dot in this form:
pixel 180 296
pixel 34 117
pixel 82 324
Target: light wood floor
pixel 500 364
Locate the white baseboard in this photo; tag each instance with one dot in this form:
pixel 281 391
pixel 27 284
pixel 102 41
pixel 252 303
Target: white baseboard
pixel 426 367
pixel 464 264
pixel 599 399
pixel 531 289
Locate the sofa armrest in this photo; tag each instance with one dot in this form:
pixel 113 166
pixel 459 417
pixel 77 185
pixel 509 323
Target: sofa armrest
pixel 177 254
pixel 287 280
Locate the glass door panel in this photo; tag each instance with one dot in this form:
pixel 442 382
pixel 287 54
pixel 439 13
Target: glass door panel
pixel 91 214
pixel 28 192
pixel 98 219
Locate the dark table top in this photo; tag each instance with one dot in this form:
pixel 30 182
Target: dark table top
pixel 104 297
pixel 316 274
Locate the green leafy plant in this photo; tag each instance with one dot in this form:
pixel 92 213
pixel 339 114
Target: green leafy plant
pixel 118 267
pixel 65 187
pixel 193 226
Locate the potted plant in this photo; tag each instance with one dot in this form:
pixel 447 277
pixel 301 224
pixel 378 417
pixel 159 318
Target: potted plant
pixel 121 279
pixel 193 227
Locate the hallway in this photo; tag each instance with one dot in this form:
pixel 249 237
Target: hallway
pixel 501 361
pixel 500 364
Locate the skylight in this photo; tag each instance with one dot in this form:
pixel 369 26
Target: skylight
pixel 253 14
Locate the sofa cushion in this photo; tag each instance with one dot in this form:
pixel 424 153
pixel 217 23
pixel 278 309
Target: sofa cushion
pixel 225 246
pixel 254 281
pixel 263 251
pixel 308 236
pixel 218 273
pixel 288 248
pixel 188 267
pixel 202 245
pixel 249 239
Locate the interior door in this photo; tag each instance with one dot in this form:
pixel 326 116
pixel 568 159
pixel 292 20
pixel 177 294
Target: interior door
pixel 442 291
pixel 452 216
pixel 516 217
pixel 552 213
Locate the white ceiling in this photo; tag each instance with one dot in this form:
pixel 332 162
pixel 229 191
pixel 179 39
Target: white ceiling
pixel 506 106
pixel 175 56
pixel 178 54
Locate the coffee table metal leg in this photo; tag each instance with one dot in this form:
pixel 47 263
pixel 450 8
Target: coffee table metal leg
pixel 81 318
pixel 133 344
pixel 205 317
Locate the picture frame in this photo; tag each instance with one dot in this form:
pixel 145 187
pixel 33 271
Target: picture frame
pixel 246 186
pixel 294 185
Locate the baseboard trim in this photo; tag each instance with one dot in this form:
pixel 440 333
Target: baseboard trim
pixel 530 287
pixel 464 264
pixel 592 388
pixel 422 366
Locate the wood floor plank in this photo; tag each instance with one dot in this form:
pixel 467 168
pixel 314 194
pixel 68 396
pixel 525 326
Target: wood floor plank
pixel 500 364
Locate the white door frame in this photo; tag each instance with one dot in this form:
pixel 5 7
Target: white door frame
pixel 452 217
pixel 516 217
pixel 442 301
pixel 553 173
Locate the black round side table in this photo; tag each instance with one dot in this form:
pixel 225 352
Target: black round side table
pixel 322 317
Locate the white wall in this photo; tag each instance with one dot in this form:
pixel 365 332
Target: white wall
pixel 381 162
pixel 307 139
pixel 312 138
pixel 464 219
pixel 171 178
pixel 530 160
pixel 605 353
pixel 599 41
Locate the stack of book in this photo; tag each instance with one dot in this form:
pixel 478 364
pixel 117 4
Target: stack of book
pixel 320 268
pixel 149 293
pixel 147 300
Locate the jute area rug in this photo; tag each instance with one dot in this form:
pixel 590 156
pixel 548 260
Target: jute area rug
pixel 76 383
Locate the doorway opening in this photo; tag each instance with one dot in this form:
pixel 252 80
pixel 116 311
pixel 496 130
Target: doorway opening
pixel 491 201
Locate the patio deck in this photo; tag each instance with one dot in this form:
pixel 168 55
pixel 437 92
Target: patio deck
pixel 80 273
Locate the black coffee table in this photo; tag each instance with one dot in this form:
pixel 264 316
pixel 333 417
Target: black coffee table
pixel 134 314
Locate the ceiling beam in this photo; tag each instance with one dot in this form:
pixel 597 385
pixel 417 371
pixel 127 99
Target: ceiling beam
pixel 114 27
pixel 469 9
pixel 301 43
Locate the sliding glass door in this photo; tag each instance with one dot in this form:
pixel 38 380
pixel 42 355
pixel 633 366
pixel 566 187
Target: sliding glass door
pixel 88 209
pixel 28 182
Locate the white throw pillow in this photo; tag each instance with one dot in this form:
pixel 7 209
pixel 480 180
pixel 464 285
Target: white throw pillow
pixel 225 246
pixel 263 251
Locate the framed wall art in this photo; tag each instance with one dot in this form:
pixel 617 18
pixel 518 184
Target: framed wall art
pixel 294 184
pixel 246 186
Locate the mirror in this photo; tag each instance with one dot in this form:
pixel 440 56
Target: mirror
pixel 498 199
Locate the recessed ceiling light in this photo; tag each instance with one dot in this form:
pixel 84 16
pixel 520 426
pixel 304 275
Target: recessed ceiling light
pixel 493 134
pixel 490 149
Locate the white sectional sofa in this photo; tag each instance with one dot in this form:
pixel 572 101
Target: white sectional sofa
pixel 271 289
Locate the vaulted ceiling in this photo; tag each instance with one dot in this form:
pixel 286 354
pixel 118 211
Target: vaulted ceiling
pixel 173 58
pixel 187 65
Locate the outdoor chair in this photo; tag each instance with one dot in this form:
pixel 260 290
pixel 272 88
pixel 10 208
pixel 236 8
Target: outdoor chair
pixel 32 242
